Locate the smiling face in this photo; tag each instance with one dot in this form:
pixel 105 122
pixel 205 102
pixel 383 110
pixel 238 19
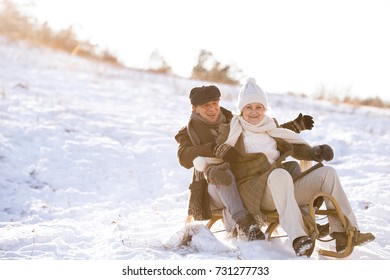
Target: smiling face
pixel 253 113
pixel 209 111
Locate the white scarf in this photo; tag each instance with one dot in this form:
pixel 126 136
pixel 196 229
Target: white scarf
pixel 267 125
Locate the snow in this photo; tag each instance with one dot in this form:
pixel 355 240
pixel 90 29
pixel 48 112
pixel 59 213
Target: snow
pixel 88 166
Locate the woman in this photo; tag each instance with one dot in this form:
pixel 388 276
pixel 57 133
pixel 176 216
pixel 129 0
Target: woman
pixel 263 182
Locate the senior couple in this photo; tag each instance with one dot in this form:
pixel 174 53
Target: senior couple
pixel 239 167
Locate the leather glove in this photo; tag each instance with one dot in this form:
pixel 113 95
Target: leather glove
pixel 322 152
pixel 226 152
pixel 303 122
pixel 218 175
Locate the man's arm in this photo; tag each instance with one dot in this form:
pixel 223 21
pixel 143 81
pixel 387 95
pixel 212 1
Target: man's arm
pixel 187 152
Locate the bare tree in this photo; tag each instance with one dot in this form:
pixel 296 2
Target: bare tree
pixel 210 69
pixel 158 64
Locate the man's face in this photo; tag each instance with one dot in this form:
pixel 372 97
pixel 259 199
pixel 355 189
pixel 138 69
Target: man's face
pixel 209 110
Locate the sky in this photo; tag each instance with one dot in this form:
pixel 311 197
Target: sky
pixel 340 47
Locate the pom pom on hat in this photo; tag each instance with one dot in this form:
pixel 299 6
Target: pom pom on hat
pixel 250 80
pixel 250 92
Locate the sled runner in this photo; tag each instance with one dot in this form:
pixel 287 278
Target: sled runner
pixel 310 215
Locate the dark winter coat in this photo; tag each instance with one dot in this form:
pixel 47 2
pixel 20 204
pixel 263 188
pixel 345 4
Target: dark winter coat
pixel 252 170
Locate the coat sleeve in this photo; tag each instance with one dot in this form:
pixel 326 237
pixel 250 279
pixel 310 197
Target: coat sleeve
pixel 187 151
pixel 302 152
pixel 288 125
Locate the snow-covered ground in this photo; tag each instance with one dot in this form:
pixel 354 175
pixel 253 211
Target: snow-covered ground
pixel 88 166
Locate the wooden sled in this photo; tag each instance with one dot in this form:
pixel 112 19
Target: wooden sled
pixel 310 216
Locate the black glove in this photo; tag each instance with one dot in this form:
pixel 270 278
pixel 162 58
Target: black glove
pixel 303 122
pixel 322 152
pixel 226 152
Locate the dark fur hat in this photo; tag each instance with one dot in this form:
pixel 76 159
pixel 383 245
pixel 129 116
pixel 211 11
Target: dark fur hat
pixel 204 94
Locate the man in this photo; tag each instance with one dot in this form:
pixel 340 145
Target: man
pixel 198 139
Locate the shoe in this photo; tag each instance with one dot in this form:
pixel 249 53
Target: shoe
pixel 323 230
pixel 359 239
pixel 302 245
pixel 255 233
pixel 250 229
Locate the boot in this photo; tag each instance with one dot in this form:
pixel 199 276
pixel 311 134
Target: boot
pixel 302 245
pixel 359 239
pixel 249 227
pixel 255 233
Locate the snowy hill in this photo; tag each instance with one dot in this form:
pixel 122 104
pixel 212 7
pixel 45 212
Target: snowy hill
pixel 88 166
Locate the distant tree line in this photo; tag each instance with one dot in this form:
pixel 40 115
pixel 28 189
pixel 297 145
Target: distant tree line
pixel 16 26
pixel 210 69
pixel 207 68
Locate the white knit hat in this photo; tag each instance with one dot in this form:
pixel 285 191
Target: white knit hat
pixel 250 92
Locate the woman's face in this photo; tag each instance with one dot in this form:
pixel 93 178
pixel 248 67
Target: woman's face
pixel 209 111
pixel 253 113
